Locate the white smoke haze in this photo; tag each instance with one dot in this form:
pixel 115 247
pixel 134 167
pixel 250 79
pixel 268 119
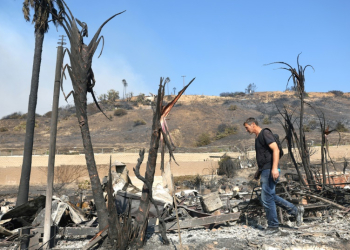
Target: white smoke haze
pixel 16 53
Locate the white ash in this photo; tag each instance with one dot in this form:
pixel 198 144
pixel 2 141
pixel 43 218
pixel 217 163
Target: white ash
pixel 316 235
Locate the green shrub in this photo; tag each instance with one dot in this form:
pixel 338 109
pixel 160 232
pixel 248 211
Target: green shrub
pixel 227 166
pixel 84 185
pixel 92 109
pixel 18 115
pixel 198 180
pixel 123 105
pixel 48 114
pixel 341 128
pixel 141 98
pixel 306 128
pixel 112 95
pixel 120 112
pixel 266 120
pixel 232 94
pixel 336 92
pixel 147 102
pixel 225 130
pixel 232 107
pixel 3 129
pixel 203 139
pixel 23 125
pixel 139 122
pixel 312 124
pixel 15 115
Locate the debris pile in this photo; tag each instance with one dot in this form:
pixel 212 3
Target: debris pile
pixel 198 216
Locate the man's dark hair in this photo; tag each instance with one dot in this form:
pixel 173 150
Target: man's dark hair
pixel 250 120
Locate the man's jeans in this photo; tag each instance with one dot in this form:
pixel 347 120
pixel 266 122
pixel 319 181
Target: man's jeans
pixel 269 199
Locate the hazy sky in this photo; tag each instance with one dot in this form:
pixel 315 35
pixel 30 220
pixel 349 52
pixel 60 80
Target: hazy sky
pixel 224 44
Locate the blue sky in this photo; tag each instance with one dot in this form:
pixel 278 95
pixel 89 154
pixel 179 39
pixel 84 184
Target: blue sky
pixel 224 44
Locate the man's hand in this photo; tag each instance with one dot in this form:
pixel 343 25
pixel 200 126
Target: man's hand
pixel 257 175
pixel 275 159
pixel 275 173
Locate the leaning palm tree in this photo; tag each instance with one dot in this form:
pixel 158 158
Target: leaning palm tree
pixel 42 11
pixel 125 84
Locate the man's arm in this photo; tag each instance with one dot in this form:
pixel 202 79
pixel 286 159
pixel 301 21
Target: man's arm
pixel 275 159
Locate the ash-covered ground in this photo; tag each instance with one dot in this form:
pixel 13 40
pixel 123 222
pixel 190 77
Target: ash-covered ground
pixel 316 234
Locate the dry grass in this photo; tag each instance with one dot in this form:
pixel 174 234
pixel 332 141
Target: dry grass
pixel 195 115
pixel 66 175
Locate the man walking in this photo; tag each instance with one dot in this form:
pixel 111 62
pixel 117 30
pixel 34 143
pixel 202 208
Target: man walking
pixel 267 157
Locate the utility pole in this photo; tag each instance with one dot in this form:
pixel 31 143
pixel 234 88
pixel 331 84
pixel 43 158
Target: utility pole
pixel 52 150
pixel 183 77
pixel 174 90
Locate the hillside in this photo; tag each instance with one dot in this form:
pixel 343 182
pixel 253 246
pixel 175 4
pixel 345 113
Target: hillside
pixel 191 117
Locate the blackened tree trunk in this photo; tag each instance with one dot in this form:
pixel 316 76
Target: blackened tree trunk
pixel 290 134
pixel 305 158
pixel 81 112
pixel 298 77
pixel 143 211
pixel 160 132
pixel 83 81
pixel 23 189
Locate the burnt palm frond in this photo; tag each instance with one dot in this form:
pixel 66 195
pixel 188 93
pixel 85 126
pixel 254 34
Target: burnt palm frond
pixel 42 11
pixel 93 44
pixel 298 75
pixel 165 112
pixel 26 10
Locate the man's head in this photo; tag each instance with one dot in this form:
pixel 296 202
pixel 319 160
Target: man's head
pixel 251 125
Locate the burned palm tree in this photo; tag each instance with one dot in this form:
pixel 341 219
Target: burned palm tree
pixel 291 138
pixel 83 81
pixel 293 142
pixel 298 77
pixel 325 131
pixel 125 84
pixel 160 135
pixel 40 19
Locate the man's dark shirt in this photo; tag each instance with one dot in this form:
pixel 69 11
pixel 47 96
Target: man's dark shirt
pixel 263 151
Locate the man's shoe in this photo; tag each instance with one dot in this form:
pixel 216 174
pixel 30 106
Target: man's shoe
pixel 270 231
pixel 299 216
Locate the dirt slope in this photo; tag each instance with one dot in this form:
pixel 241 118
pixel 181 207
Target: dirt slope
pixel 192 116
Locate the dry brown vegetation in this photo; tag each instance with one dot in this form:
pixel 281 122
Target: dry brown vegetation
pixel 66 175
pixel 191 117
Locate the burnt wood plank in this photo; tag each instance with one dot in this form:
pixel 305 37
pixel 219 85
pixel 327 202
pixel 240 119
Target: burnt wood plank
pixel 200 221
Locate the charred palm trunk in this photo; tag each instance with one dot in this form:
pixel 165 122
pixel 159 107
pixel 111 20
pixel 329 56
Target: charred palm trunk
pixel 83 81
pixel 160 133
pixel 81 112
pixel 289 132
pixel 23 189
pixel 305 158
pixel 299 84
pixel 143 211
pixel 324 178
pixel 290 135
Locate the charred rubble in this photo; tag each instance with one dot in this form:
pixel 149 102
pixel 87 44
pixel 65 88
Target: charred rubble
pixel 212 208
